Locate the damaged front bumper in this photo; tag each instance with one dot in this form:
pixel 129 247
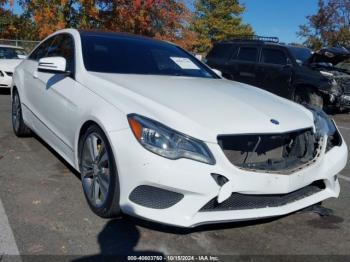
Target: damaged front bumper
pixel 344 101
pixel 187 193
pixel 339 92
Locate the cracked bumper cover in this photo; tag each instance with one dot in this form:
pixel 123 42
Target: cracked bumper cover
pixel 195 186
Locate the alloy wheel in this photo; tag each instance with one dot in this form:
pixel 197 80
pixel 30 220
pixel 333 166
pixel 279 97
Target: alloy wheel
pixel 95 169
pixel 16 112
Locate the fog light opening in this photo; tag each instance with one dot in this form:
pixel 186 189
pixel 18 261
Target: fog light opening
pixel 219 179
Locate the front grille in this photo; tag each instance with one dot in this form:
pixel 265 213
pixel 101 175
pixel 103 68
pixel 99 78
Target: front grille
pixel 242 202
pixel 9 73
pixel 154 197
pixel 277 153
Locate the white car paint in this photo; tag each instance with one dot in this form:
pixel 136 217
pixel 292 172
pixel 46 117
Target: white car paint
pixel 56 107
pixel 7 67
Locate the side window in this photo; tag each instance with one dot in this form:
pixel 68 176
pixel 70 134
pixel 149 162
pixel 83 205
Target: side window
pixel 63 45
pixel 274 56
pixel 248 54
pixel 221 51
pixel 41 50
pixel 54 48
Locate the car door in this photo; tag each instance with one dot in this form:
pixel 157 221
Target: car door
pixel 241 66
pixel 274 72
pixel 57 93
pixel 30 98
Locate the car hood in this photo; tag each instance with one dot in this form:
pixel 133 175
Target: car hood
pixel 334 56
pixel 201 107
pixel 9 64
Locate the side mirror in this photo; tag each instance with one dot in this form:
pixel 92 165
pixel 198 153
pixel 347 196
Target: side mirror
pixel 54 65
pixel 218 72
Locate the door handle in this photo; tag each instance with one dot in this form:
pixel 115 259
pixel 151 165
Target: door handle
pixel 35 74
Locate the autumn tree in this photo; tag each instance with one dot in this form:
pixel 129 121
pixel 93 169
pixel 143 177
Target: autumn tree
pixel 50 15
pixel 330 26
pixel 162 19
pixel 88 15
pixel 217 20
pixel 14 26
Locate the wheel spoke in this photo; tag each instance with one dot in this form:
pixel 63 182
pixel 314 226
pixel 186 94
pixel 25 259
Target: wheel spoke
pixel 92 146
pixel 94 191
pixel 86 166
pixel 88 174
pixel 103 188
pixel 102 160
pixel 104 179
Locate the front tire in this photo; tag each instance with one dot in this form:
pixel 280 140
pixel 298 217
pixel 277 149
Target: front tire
pixel 99 175
pixel 19 127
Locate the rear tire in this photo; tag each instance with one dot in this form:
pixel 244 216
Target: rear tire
pixel 99 175
pixel 309 97
pixel 19 127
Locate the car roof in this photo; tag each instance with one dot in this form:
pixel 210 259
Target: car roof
pixel 250 43
pixel 11 46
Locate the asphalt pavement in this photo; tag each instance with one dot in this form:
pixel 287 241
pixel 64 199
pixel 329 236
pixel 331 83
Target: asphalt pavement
pixel 43 212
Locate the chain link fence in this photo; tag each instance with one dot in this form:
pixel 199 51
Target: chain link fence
pixel 28 45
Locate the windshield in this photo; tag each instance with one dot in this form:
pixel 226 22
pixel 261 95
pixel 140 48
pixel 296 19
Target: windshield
pixel 11 53
pixel 300 54
pixel 133 55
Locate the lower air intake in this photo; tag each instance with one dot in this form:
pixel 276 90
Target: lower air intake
pixel 243 202
pixel 154 197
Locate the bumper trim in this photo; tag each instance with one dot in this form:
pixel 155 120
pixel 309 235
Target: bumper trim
pixel 242 202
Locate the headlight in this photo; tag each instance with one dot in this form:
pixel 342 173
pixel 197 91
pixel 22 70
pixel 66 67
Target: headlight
pixel 324 126
pixel 167 142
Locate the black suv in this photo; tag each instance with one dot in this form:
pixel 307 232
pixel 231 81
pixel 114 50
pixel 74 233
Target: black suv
pixel 289 71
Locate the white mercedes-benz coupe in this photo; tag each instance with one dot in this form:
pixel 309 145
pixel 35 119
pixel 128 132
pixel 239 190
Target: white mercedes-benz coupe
pixel 157 134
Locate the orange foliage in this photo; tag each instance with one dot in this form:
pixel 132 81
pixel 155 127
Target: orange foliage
pixel 48 15
pixel 163 19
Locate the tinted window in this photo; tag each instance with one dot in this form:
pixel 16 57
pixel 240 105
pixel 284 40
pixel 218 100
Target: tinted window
pixel 300 54
pixel 63 45
pixel 129 55
pixel 274 56
pixel 11 53
pixel 223 51
pixel 248 54
pixel 41 50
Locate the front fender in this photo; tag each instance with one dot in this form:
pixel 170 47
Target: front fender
pixel 108 119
